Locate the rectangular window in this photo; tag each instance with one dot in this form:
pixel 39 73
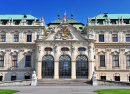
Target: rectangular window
pixel 13 78
pixel 14 61
pixel 128 60
pixel 101 38
pixel 26 77
pixel 3 38
pixel 117 78
pixel 116 60
pixel 29 38
pixel 102 60
pixel 127 37
pixel 1 78
pixel 103 77
pixel 28 61
pixel 16 38
pixel 129 78
pixel 114 38
pixel 1 61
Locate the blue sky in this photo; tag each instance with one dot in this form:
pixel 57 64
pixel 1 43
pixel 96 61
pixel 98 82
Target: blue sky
pixel 50 8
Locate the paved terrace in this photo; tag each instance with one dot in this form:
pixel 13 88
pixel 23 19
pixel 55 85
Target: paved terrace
pixel 60 89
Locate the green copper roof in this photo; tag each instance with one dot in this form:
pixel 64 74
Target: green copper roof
pixel 69 20
pixel 113 16
pixel 16 17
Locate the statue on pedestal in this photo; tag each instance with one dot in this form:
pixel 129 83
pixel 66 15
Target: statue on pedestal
pixel 34 79
pixel 94 79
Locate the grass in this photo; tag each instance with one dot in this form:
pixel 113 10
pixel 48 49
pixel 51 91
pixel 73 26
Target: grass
pixel 6 91
pixel 113 91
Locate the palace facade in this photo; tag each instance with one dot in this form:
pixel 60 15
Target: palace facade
pixel 67 49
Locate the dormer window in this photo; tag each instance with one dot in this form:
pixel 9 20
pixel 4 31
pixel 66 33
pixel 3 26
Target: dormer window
pixel 81 49
pixel 64 49
pixel 48 49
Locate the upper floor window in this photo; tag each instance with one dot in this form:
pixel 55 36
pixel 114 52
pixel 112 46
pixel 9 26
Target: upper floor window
pixel 14 61
pixel 28 61
pixel 101 38
pixel 48 49
pixel 100 22
pixel 128 60
pixel 29 22
pixel 114 38
pixel 116 60
pixel 1 61
pixel 3 38
pixel 64 49
pixel 102 60
pixel 29 38
pixel 81 49
pixel 16 38
pixel 127 37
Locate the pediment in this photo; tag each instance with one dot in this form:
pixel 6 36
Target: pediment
pixel 65 32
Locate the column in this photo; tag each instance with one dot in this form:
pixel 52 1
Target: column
pixel 38 69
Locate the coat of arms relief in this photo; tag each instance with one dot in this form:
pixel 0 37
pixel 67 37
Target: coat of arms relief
pixel 64 33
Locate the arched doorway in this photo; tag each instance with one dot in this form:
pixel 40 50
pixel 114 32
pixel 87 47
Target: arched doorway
pixel 47 66
pixel 81 66
pixel 64 66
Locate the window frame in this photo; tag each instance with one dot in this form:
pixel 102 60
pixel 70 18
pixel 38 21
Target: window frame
pixel 28 65
pixel 2 60
pixel 102 64
pixel 115 78
pixel 102 38
pixel 3 39
pixel 128 37
pixel 128 61
pixel 16 39
pixel 30 39
pixel 65 49
pixel 114 38
pixel 15 78
pixel 14 61
pixel 114 60
pixel 82 49
pixel 48 49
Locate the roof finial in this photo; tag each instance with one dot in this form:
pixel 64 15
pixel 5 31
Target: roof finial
pixel 72 15
pixel 58 15
pixel 29 12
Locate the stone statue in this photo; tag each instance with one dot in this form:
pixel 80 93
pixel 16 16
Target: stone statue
pixel 94 79
pixel 34 79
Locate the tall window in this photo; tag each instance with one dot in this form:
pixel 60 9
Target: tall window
pixel 127 37
pixel 14 61
pixel 1 61
pixel 116 60
pixel 102 60
pixel 101 38
pixel 28 61
pixel 16 38
pixel 3 38
pixel 114 38
pixel 29 38
pixel 128 60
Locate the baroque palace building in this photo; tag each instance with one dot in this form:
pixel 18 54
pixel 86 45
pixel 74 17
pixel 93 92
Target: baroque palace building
pixel 65 49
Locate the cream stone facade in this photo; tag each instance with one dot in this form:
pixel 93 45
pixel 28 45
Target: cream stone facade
pixel 65 51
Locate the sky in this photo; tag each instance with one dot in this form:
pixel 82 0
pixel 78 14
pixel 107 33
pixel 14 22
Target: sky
pixel 49 9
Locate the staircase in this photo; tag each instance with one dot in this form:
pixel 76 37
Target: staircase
pixel 64 82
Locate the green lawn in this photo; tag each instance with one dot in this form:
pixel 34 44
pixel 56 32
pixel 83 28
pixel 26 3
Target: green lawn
pixel 6 91
pixel 113 91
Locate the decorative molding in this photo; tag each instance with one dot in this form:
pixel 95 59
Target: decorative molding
pixel 101 53
pixel 115 53
pixel 13 74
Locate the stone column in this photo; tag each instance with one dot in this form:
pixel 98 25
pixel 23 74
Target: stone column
pixel 39 69
pixel 91 60
pixel 56 63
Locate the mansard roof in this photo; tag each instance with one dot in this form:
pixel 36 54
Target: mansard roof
pixel 69 20
pixel 112 16
pixel 17 17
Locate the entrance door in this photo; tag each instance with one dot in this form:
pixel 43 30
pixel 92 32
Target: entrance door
pixel 81 66
pixel 47 66
pixel 64 66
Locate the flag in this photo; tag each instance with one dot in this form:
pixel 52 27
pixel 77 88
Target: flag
pixel 64 19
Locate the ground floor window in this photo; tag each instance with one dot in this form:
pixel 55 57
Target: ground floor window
pixel 103 77
pixel 117 78
pixel 13 78
pixel 129 78
pixel 26 77
pixel 1 78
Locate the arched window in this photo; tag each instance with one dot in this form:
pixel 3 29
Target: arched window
pixel 81 49
pixel 48 49
pixel 64 49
